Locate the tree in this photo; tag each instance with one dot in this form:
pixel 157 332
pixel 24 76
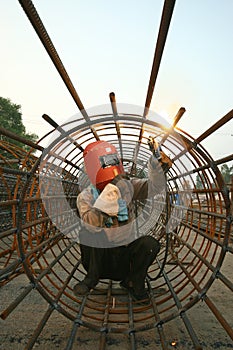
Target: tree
pixel 227 173
pixel 11 119
pixel 200 181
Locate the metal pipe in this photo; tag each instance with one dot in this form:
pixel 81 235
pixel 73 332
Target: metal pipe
pixel 168 8
pixel 131 324
pixel 184 317
pixel 39 28
pixel 104 329
pixel 19 138
pixel 215 126
pixel 115 114
pixel 62 131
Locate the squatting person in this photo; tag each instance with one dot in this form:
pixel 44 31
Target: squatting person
pixel 109 242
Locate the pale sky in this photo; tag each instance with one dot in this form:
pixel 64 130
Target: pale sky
pixel 109 46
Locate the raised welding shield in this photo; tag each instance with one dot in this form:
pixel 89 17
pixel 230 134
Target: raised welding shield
pixel 102 163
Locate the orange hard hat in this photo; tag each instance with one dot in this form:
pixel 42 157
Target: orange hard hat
pixel 102 163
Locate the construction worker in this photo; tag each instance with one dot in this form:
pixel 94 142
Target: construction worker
pixel 109 242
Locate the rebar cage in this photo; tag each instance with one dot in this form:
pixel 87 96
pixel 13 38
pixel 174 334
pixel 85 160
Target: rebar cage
pixel 199 236
pixel 40 259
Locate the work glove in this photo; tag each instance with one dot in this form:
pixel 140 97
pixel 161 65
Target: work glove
pixel 163 159
pixel 107 202
pixel 165 162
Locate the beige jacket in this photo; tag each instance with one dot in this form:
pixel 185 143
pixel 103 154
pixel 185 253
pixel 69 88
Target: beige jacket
pixel 132 191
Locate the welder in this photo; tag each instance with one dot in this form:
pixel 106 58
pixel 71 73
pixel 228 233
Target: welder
pixel 111 247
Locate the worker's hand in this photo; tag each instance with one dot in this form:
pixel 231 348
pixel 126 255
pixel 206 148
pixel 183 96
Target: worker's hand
pixel 165 161
pixel 107 201
pixel 159 155
pixel 154 147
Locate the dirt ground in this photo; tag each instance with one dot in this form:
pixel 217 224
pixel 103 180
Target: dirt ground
pixel 17 328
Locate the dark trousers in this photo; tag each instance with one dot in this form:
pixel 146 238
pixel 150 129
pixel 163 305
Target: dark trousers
pixel 129 263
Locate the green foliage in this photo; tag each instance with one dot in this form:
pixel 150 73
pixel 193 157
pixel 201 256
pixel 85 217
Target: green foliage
pixel 200 181
pixel 11 119
pixel 227 173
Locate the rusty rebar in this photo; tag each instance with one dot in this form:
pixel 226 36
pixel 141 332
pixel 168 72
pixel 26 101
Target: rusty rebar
pixel 209 225
pixel 49 256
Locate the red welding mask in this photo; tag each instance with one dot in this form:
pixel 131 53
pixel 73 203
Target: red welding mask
pixel 102 163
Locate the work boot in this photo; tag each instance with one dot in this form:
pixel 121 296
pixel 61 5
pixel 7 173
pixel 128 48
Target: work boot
pixel 84 287
pixel 81 289
pixel 141 298
pixel 125 284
